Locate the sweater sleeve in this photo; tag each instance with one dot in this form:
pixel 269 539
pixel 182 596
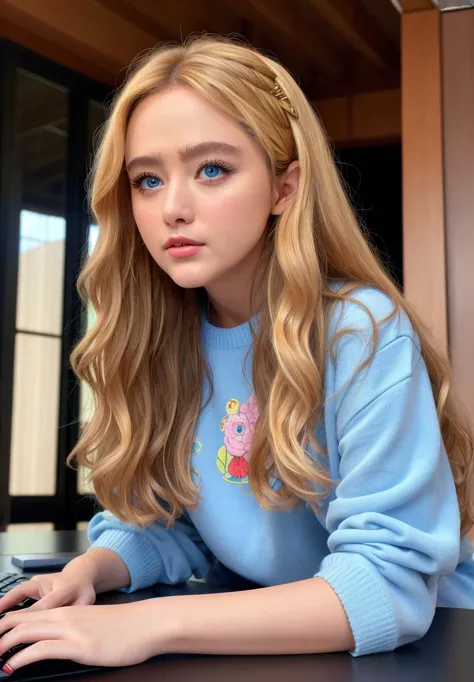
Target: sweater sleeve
pixel 155 554
pixel 394 520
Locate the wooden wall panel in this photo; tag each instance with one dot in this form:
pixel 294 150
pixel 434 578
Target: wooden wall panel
pixel 368 118
pixel 424 267
pixel 458 96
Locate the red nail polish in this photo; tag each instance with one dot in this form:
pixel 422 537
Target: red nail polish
pixel 6 669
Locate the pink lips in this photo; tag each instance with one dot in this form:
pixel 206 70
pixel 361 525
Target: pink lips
pixel 183 251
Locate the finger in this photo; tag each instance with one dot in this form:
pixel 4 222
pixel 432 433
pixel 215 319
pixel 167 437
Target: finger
pixel 52 600
pixel 15 596
pixel 86 599
pixel 41 651
pixel 14 618
pixel 25 633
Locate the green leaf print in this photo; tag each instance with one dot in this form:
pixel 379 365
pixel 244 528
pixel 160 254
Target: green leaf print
pixel 222 460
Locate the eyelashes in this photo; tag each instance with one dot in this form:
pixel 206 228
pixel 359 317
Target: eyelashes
pixel 216 165
pixel 222 168
pixel 137 182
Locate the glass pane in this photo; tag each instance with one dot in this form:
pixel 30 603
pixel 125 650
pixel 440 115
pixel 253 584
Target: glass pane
pixel 29 526
pixel 41 128
pixel 41 133
pixel 85 397
pixel 96 118
pixel 35 415
pixel 41 273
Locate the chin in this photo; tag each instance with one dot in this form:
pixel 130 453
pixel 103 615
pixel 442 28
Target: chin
pixel 189 280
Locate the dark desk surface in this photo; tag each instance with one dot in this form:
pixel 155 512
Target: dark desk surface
pixel 445 654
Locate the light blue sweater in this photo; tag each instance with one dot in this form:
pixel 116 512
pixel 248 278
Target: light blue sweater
pixel 387 540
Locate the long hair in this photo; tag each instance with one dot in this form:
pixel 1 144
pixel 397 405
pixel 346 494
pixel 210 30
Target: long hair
pixel 142 359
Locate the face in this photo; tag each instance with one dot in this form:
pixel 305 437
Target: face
pixel 196 174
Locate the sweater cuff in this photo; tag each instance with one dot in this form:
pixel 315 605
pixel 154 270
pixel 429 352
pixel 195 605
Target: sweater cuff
pixel 365 602
pixel 138 554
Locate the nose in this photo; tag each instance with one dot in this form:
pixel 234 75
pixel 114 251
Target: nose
pixel 178 206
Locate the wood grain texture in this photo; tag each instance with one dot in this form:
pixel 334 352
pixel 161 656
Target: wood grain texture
pixel 356 25
pixel 369 118
pixel 332 49
pixel 458 101
pixel 424 266
pixel 417 5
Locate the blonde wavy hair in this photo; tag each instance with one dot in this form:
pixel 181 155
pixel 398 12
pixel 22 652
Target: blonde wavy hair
pixel 142 359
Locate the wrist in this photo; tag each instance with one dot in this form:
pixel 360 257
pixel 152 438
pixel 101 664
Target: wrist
pixel 102 567
pixel 169 616
pixel 82 568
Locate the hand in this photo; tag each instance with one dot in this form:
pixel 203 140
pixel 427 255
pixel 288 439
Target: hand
pixel 51 590
pixel 116 635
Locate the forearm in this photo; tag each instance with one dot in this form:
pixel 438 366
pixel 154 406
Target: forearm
pixel 297 618
pixel 105 569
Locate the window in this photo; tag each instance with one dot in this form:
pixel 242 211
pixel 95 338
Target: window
pixel 49 118
pixel 41 138
pixel 83 486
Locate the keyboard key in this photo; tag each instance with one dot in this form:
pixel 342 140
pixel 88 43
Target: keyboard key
pixel 12 580
pixel 7 588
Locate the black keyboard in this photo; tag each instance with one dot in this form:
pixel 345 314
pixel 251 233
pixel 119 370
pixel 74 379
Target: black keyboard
pixel 10 580
pixel 41 669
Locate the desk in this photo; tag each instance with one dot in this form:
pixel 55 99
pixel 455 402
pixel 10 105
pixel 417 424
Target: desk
pixel 445 654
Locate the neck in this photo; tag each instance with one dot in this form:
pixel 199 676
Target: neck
pixel 229 299
pixel 228 316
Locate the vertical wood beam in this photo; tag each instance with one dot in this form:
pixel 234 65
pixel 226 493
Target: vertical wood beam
pixel 424 258
pixel 458 103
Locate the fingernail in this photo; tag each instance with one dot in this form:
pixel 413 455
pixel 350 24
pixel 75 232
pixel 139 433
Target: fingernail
pixel 6 669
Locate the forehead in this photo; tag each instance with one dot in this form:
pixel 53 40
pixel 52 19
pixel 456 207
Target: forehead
pixel 177 118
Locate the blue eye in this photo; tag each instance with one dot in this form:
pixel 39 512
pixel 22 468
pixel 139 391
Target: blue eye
pixel 149 182
pixel 212 171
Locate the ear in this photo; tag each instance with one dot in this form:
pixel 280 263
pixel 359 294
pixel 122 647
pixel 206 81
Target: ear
pixel 286 187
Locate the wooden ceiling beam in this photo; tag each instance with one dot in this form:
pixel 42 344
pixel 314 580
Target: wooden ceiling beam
pixel 178 21
pixel 215 16
pixel 95 65
pixel 100 40
pixel 416 5
pixel 283 21
pixel 358 28
pixel 138 17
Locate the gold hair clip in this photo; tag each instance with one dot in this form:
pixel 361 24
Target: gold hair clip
pixel 280 94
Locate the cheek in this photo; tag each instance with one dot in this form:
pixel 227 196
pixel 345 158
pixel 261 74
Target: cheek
pixel 145 215
pixel 242 209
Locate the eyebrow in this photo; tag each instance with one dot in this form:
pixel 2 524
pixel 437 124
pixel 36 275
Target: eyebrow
pixel 186 154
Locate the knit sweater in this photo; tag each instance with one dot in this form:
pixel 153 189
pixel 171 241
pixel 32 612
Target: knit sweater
pixel 387 537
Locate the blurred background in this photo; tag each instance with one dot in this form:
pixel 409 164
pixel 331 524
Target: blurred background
pixel 393 83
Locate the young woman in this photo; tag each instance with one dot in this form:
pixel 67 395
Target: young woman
pixel 268 410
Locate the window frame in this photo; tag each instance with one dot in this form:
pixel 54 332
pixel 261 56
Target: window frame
pixel 66 507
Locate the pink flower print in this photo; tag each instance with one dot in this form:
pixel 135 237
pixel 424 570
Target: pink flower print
pixel 238 435
pixel 250 409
